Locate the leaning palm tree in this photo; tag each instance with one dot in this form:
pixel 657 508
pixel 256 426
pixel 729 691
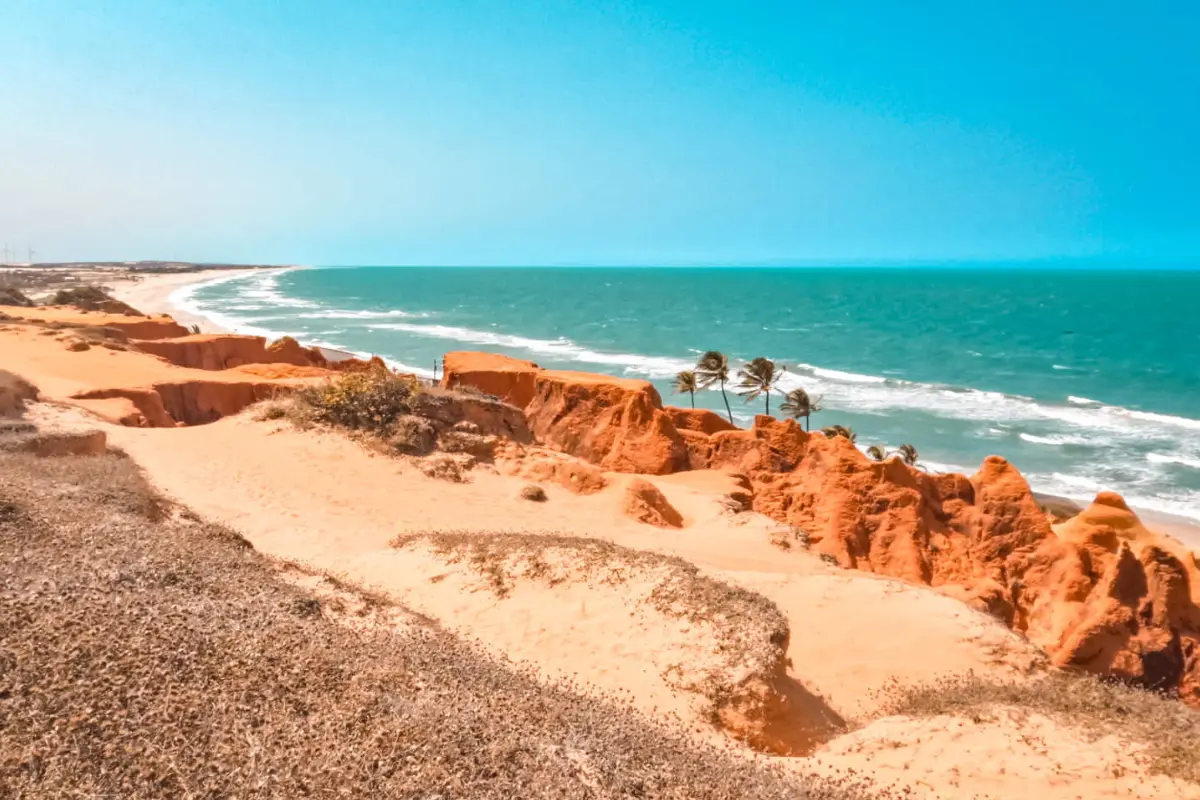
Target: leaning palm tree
pixel 877 452
pixel 908 454
pixel 839 430
pixel 797 404
pixel 759 377
pixel 686 382
pixel 713 367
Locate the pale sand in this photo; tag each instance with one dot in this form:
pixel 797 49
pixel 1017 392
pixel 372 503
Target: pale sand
pixel 151 294
pixel 323 501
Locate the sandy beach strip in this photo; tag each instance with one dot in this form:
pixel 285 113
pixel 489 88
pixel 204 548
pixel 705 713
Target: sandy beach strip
pixel 152 294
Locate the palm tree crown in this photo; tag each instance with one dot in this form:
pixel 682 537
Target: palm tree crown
pixel 685 381
pixel 908 454
pixel 713 367
pixel 839 430
pixel 759 377
pixel 797 404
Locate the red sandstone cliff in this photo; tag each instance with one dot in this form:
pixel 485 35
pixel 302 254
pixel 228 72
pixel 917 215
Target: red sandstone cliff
pixel 1101 593
pixel 616 423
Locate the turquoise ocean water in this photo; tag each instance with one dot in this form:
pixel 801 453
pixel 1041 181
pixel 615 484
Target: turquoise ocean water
pixel 1087 380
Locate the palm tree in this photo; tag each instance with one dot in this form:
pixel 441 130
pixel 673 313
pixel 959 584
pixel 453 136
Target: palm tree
pixel 797 404
pixel 839 430
pixel 759 377
pixel 877 452
pixel 686 382
pixel 908 454
pixel 713 367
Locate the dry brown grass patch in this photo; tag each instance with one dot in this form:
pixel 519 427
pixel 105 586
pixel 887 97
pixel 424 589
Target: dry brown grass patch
pixel 1169 730
pixel 149 655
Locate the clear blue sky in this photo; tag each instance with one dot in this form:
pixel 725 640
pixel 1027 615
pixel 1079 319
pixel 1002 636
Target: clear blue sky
pixel 532 131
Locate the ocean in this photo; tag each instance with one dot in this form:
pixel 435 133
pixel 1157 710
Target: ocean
pixel 1086 380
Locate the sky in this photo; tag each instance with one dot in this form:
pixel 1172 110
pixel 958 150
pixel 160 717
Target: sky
pixel 655 132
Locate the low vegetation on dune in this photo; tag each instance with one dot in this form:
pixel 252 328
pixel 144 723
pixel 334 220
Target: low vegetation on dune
pixel 15 391
pixel 11 296
pixel 1167 729
pixel 750 631
pixel 145 653
pixel 91 298
pixel 403 416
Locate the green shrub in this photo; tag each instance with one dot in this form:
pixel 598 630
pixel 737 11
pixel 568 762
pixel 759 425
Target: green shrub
pixel 368 401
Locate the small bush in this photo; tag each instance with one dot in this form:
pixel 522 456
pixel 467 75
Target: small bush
pixel 413 435
pixel 14 297
pixel 14 391
pixel 91 298
pixel 271 410
pixel 368 401
pixel 533 492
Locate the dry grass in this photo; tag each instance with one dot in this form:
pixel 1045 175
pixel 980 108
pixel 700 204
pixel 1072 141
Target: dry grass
pixel 1168 729
pixel 534 493
pixel 369 401
pixel 146 654
pixel 14 392
pixel 751 632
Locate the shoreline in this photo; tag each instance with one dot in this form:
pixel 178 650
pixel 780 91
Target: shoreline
pixel 152 295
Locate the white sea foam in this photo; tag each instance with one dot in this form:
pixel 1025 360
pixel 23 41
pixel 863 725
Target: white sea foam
pixel 1082 401
pixel 1055 440
pixel 1183 461
pixel 341 313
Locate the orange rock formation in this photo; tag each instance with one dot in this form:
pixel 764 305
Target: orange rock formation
pixel 225 351
pixel 1101 594
pixel 616 423
pixel 645 503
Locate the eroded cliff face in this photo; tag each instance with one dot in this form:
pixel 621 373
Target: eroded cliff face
pixel 1101 593
pixel 615 423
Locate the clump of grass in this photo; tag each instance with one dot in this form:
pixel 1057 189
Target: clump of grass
pixel 1168 729
pixel 15 391
pixel 11 296
pixel 533 493
pixel 369 401
pixel 145 657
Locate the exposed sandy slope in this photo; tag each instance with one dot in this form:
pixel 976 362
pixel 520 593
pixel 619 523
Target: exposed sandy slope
pixel 1006 754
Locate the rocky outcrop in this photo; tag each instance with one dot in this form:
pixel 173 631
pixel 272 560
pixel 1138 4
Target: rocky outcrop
pixel 167 405
pixel 644 502
pixel 1099 593
pixel 148 328
pixel 616 423
pixel 508 379
pixel 698 419
pixel 226 351
pixel 1112 597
